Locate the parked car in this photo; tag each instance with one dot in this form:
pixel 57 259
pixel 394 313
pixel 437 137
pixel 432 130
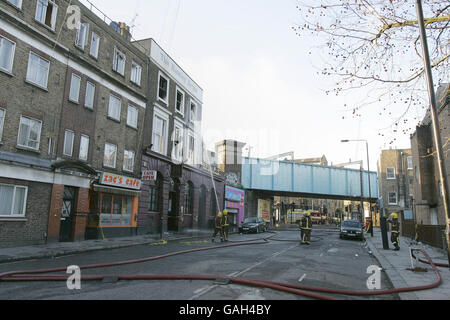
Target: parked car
pixel 352 229
pixel 253 224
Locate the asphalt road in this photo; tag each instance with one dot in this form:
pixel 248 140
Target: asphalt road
pixel 328 262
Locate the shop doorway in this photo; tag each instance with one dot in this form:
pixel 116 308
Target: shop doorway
pixel 174 200
pixel 202 208
pixel 67 215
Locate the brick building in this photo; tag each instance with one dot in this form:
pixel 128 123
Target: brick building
pixel 428 203
pixel 395 174
pixel 83 111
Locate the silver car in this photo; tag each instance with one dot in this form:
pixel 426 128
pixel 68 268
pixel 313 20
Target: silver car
pixel 352 229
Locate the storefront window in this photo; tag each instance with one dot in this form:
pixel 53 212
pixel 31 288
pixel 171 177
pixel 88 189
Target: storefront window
pixel 153 197
pixel 116 210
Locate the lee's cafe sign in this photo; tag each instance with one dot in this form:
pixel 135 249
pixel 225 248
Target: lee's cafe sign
pixel 115 180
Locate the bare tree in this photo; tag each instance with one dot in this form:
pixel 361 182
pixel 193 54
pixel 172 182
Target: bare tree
pixel 374 45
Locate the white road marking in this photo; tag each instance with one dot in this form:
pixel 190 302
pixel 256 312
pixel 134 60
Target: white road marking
pixel 199 292
pixel 301 279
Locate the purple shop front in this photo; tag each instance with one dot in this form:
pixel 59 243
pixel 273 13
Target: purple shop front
pixel 234 203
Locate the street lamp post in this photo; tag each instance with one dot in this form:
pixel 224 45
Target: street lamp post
pixel 368 175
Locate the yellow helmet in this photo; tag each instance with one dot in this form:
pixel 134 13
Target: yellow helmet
pixel 308 214
pixel 394 215
pixel 225 212
pixel 220 215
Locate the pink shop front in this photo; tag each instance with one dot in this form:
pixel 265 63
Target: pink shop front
pixel 234 203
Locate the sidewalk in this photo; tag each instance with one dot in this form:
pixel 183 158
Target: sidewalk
pixel 396 263
pixel 68 248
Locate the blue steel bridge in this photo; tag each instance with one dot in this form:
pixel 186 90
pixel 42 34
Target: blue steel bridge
pixel 286 178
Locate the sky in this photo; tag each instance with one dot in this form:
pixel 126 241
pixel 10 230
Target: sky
pixel 262 83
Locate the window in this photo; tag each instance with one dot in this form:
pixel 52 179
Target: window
pixel 115 106
pixel 7 49
pixel 29 133
pixel 82 36
pixel 38 70
pixel 180 101
pixel 128 161
pixel 46 11
pixel 193 112
pixel 132 116
pixel 392 198
pixel 75 84
pixel 2 122
pixel 390 173
pixel 409 162
pixel 109 159
pixel 188 198
pixel 116 210
pixel 177 152
pixel 159 134
pixel 163 88
pixel 136 71
pixel 16 3
pixel 68 143
pixel 153 192
pixel 84 148
pixel 119 61
pixel 191 150
pixel 90 94
pixel 95 45
pixel 13 200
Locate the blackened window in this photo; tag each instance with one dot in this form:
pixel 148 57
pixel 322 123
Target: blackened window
pixel 188 198
pixel 153 193
pixel 163 88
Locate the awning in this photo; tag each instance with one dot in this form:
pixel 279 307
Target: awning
pixel 113 190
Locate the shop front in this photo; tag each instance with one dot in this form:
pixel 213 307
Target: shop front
pixel 234 203
pixel 113 207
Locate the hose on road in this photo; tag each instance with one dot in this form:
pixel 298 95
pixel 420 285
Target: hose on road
pixel 307 291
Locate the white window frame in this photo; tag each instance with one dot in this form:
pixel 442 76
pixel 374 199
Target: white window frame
pixel 84 138
pixel 166 100
pixel 11 59
pixel 40 59
pixel 190 154
pixel 177 149
pixel 165 118
pixel 113 115
pixel 389 177
pixel 82 38
pixel 2 121
pixel 115 156
pixel 74 93
pixel 54 13
pixel 409 163
pixel 27 138
pixel 66 132
pixel 132 120
pixel 136 73
pixel 95 45
pixel 127 153
pixel 118 53
pixel 89 103
pixel 24 209
pixel 183 102
pixel 18 5
pixel 389 198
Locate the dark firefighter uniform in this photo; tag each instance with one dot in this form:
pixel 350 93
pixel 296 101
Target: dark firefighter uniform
pixel 306 228
pixel 395 231
pixel 225 225
pixel 218 227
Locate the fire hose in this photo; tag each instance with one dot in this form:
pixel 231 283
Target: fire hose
pixel 307 291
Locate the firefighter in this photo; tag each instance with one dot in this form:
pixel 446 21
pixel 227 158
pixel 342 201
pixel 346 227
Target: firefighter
pixel 218 227
pixel 395 231
pixel 306 228
pixel 225 225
